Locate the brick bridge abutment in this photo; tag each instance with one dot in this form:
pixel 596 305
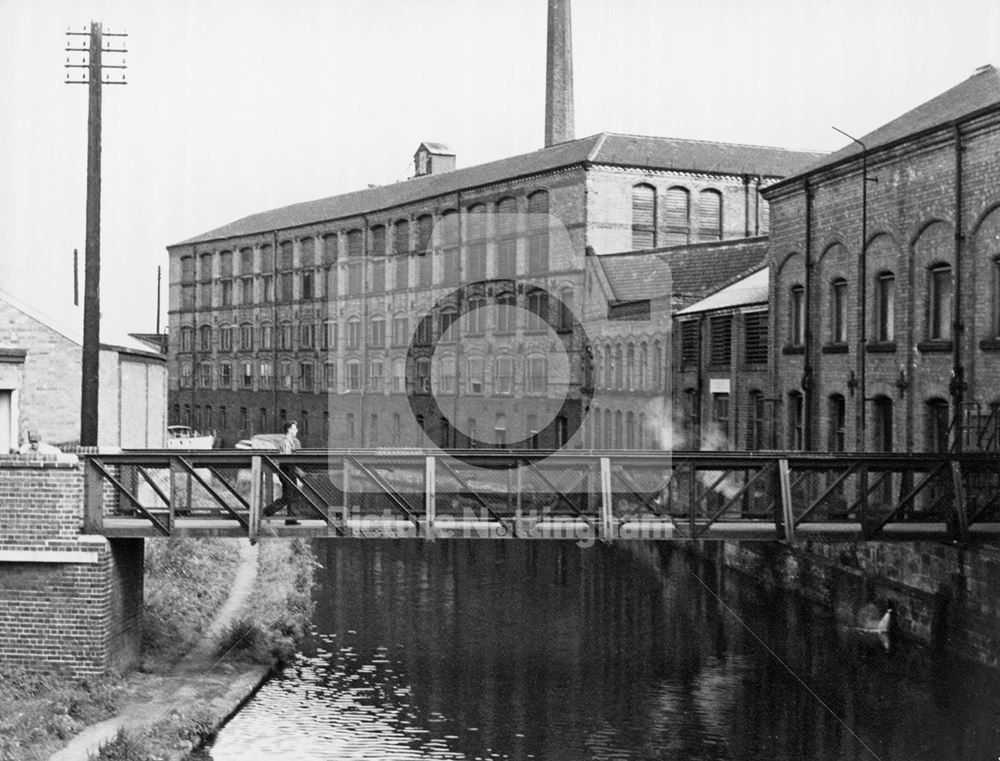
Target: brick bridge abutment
pixel 69 603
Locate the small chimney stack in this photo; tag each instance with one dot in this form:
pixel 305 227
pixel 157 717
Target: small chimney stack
pixel 559 74
pixel 432 158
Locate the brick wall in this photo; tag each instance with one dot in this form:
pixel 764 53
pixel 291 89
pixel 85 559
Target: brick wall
pixel 944 596
pixel 68 602
pixel 911 226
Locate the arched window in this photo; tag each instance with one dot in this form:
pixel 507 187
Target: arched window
pixel 630 368
pixel 353 332
pixel 710 215
pixel 838 311
pixel 330 248
pixel 475 321
pixel 401 250
pixel 538 310
pixel 399 375
pixel 607 430
pixel 205 338
pixel 506 313
pixel 447 317
pixel 595 440
pixel 506 226
pixel 678 216
pixel 885 306
pixel 565 309
pixel 630 431
pixel 617 443
pixel 376 332
pixel 643 216
pixel 378 241
pixel 538 232
pixel 642 378
pixel 475 265
pixel 936 426
pixel 797 315
pixel 187 338
pixel 940 293
pixel 503 376
pixel 619 367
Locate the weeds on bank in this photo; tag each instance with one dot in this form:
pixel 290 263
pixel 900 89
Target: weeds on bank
pixel 171 737
pixel 38 711
pixel 276 616
pixel 186 581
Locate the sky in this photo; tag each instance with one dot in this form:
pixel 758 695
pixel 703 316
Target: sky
pixel 237 106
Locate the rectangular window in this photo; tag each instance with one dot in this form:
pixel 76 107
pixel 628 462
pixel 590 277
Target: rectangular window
pixel 720 331
pixel 187 297
pixel 506 314
pixel 503 383
pixel 538 253
pixel 205 295
pixel 837 422
pixel 205 375
pixel 354 273
pixel 225 376
pixel 286 376
pixel 755 337
pixel 307 335
pixel 307 285
pixel 446 378
pixel 796 419
pixel 475 375
pixel 375 374
pixel 425 268
pixel 476 262
pixel 720 414
pixel 449 271
pixel 689 343
pixel 246 290
pixel 226 338
pixel 353 333
pixel 330 376
pixel 536 380
pixel 285 337
pixel 266 375
pixel 354 376
pixel 400 331
pixel 267 288
pixel 246 374
pixel 377 269
pixel 377 333
pixel 227 293
pixel 246 337
pixel 422 375
pixel 266 337
pixel 305 376
pixel 285 283
pixel 507 257
pixel 399 376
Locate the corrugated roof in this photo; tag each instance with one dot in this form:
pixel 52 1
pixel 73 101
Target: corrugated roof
pixel 751 289
pixel 979 91
pixel 691 271
pixel 606 148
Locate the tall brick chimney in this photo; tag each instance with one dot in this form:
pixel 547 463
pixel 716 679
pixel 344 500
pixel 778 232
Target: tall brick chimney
pixel 559 74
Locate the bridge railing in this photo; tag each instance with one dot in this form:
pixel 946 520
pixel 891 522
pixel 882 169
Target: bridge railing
pixel 586 496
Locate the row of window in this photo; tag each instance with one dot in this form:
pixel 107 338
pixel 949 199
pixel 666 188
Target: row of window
pixel 720 340
pixel 501 372
pixel 939 300
pixel 627 368
pixel 443 268
pixel 618 430
pixel 677 227
pixel 407 238
pixel 502 318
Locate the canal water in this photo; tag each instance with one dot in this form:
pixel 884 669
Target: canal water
pixel 550 651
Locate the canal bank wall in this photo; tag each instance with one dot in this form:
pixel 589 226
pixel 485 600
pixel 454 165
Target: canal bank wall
pixel 945 597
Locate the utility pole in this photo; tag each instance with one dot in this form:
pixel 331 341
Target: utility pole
pixel 159 279
pixel 93 75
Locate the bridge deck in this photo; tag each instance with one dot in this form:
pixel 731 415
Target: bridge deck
pixel 584 496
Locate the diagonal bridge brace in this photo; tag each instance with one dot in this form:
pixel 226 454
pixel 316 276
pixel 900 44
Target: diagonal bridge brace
pixel 386 487
pixel 765 471
pixel 212 492
pixel 290 483
pixel 128 495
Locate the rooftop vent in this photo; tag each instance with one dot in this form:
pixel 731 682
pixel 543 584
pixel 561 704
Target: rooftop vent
pixel 433 158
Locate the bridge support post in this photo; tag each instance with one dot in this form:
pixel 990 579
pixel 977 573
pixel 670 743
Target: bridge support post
pixel 961 524
pixel 256 497
pixel 787 515
pixel 430 498
pixel 607 525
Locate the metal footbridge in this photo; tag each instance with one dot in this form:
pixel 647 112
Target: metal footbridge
pixel 585 496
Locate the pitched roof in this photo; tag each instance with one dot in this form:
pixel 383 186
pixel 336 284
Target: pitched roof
pixel 979 91
pixel 437 148
pixel 604 148
pixel 691 271
pixel 110 341
pixel 748 290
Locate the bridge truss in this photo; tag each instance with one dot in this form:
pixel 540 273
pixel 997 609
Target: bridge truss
pixel 584 496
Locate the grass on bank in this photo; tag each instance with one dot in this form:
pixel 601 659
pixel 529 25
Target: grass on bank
pixel 276 616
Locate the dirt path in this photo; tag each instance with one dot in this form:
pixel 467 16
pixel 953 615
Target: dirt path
pixel 217 685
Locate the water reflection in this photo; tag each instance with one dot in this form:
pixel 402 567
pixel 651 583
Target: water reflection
pixel 482 650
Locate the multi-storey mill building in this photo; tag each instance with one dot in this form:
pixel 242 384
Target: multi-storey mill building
pixel 360 315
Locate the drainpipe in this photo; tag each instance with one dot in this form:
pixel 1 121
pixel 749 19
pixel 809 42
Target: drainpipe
pixel 957 385
pixel 746 206
pixel 807 370
pixel 862 299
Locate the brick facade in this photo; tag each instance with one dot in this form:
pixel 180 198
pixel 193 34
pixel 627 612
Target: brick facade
pixel 68 603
